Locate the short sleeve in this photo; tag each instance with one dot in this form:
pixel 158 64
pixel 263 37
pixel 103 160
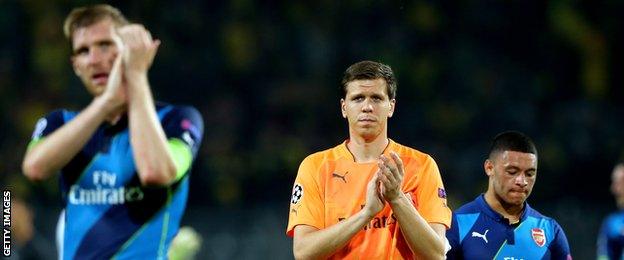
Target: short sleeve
pixel 560 249
pixel 306 202
pixel 431 195
pixel 452 235
pixel 185 123
pixel 47 125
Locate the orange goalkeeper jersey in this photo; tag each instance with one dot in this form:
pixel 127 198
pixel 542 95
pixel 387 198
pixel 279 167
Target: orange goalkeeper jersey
pixel 330 186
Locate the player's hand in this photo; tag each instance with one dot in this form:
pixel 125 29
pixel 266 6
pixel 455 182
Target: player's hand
pixel 391 177
pixel 115 94
pixel 374 202
pixel 139 48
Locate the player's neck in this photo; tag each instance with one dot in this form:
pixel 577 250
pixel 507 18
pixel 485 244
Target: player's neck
pixel 620 203
pixel 511 212
pixel 365 151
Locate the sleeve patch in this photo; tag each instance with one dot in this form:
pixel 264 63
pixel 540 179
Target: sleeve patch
pixel 441 193
pixel 41 125
pixel 297 194
pixel 188 126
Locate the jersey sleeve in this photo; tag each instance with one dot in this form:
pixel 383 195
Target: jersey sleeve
pixel 185 123
pixel 306 202
pixel 452 236
pixel 560 249
pixel 430 195
pixel 184 129
pixel 47 125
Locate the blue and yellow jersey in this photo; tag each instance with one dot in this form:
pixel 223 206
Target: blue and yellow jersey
pixel 107 213
pixel 479 232
pixel 611 237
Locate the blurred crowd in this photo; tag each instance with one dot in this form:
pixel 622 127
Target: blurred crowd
pixel 266 75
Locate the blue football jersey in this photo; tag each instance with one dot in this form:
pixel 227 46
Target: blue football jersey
pixel 611 237
pixel 479 232
pixel 107 213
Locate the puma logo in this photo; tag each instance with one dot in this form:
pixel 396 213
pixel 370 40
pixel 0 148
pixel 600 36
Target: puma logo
pixel 294 210
pixel 476 234
pixel 343 177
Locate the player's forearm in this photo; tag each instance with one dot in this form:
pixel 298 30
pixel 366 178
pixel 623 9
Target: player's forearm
pixel 420 236
pixel 323 243
pixel 57 149
pixel 149 143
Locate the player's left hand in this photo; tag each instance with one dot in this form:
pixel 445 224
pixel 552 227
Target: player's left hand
pixel 391 176
pixel 115 94
pixel 139 48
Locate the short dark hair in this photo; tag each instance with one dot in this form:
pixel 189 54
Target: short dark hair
pixel 512 141
pixel 89 15
pixel 370 70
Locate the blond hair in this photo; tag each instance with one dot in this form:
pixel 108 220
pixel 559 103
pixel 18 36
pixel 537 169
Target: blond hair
pixel 89 15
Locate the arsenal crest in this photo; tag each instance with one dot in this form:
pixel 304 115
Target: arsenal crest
pixel 538 236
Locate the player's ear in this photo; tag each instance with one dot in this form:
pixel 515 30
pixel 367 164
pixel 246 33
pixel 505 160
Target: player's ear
pixel 343 108
pixel 488 166
pixel 392 105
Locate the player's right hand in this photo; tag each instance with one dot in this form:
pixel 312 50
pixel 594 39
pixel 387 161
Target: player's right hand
pixel 374 201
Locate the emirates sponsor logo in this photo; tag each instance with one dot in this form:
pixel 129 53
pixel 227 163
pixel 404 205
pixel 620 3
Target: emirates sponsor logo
pixel 104 192
pixel 101 196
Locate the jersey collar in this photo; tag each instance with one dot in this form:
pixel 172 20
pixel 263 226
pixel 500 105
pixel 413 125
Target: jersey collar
pixel 485 208
pixel 344 150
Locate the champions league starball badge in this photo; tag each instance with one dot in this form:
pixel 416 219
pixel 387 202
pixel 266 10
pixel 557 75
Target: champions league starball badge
pixel 297 194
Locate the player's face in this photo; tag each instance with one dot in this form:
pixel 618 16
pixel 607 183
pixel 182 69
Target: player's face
pixel 512 176
pixel 617 182
pixel 94 52
pixel 367 107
